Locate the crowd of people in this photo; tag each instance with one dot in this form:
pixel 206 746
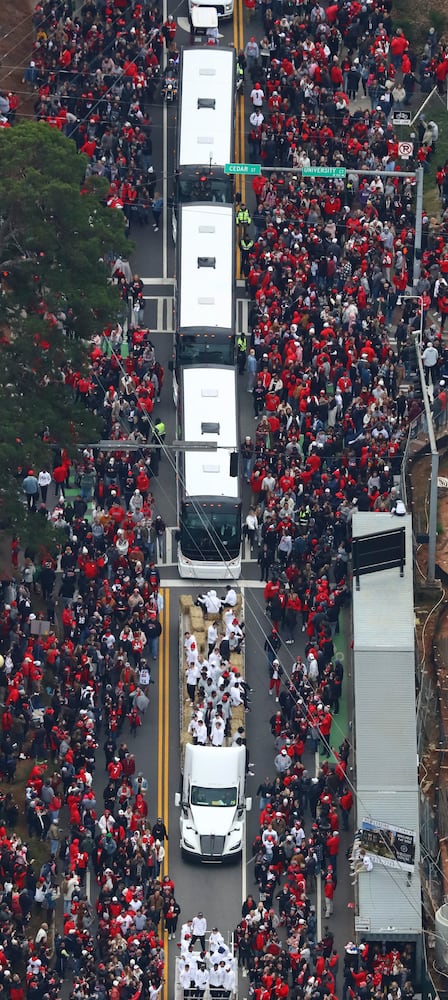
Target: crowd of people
pixel 216 689
pixel 75 695
pixel 94 74
pixel 95 663
pixel 337 291
pixel 212 969
pixel 330 365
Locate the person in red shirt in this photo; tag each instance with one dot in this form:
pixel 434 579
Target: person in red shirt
pixel 59 479
pixel 345 805
pixel 332 848
pixel 329 889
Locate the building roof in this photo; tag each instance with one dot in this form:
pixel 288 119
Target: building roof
pixel 384 597
pixel 385 729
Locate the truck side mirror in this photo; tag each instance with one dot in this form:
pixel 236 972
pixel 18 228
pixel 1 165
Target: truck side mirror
pixel 177 799
pixel 248 804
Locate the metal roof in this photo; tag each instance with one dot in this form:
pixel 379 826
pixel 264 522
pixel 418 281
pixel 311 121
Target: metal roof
pixel 206 292
pixel 384 597
pixel 384 895
pixel 386 741
pixel 385 728
pixel 209 396
pixel 206 133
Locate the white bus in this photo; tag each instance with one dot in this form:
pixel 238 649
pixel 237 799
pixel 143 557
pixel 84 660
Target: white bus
pixel 209 500
pixel 206 126
pixel 205 293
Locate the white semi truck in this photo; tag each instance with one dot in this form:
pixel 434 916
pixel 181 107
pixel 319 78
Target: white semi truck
pixel 213 803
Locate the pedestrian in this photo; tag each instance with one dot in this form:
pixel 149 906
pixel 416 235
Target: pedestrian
pixel 252 528
pixel 241 345
pixel 346 805
pixel 30 488
pixel 157 207
pixel 430 357
pixel 274 679
pixel 160 532
pixel 171 912
pixel 329 889
pixel 198 930
pixel 251 368
pixel 252 53
pixel 44 480
pixel 247 453
pixel 158 436
pixel 257 96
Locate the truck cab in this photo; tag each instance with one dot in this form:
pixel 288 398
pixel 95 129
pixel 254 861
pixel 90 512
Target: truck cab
pixel 212 803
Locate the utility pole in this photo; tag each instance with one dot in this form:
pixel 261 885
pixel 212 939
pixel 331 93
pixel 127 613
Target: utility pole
pixel 432 528
pixel 418 226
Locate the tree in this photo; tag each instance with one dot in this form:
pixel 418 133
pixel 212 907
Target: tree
pixel 55 238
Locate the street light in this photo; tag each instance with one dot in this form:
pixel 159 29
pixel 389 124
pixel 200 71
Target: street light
pixel 419 299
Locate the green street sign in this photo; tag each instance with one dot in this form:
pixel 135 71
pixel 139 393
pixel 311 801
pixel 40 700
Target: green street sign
pixel 324 171
pixel 254 169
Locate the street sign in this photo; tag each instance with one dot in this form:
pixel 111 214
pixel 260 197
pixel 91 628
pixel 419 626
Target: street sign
pixel 401 117
pixel 405 150
pixel 324 171
pixel 254 169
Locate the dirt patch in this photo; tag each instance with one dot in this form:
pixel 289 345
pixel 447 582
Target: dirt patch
pixel 16 44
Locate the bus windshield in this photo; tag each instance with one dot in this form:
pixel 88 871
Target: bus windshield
pixel 210 533
pixel 205 186
pixel 197 349
pixel 213 797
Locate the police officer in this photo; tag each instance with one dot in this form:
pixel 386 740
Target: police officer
pixel 241 344
pixel 246 247
pixel 158 437
pixel 243 216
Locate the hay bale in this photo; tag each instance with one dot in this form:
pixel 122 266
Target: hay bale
pixel 196 618
pixel 238 717
pixel 201 639
pixel 186 602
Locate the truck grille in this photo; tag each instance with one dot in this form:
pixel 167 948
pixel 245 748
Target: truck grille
pixel 212 846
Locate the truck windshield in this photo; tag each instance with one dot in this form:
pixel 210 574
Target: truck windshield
pixel 213 796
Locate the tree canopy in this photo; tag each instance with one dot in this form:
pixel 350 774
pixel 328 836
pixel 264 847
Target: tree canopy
pixel 56 236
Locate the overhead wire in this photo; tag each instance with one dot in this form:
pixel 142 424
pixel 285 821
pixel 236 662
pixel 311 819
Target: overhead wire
pixel 304 711
pixel 206 524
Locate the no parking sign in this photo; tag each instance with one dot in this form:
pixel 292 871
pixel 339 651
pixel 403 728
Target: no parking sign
pixel 405 150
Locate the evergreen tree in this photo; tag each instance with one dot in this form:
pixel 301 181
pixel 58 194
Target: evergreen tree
pixel 56 236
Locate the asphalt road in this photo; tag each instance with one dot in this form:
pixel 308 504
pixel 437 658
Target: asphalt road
pixel 217 891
